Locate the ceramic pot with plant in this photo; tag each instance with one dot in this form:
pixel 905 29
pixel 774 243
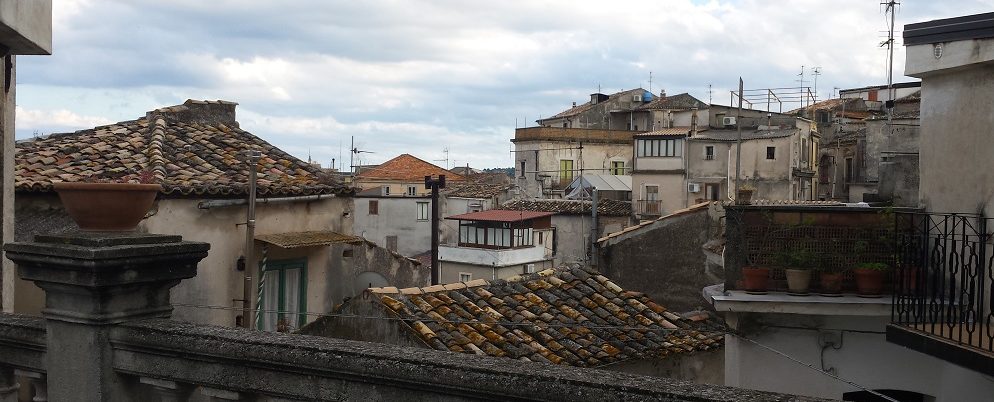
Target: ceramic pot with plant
pixel 797 269
pixel 870 278
pixel 755 278
pixel 109 205
pixel 830 277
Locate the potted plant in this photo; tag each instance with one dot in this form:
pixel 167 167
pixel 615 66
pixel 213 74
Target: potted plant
pixel 744 194
pixel 755 278
pixel 109 204
pixel 830 276
pixel 797 268
pixel 870 278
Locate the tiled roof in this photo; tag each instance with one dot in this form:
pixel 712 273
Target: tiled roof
pixel 575 110
pixel 307 239
pixel 572 317
pixel 606 207
pixel 406 168
pixel 732 135
pixel 644 224
pixel 910 98
pixel 501 215
pixel 186 155
pixel 669 131
pixel 833 104
pixel 682 101
pixel 477 190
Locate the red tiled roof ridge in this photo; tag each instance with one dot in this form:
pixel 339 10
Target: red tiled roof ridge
pixel 401 168
pixel 460 285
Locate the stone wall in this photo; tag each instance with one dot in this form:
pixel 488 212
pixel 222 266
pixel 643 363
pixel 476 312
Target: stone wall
pixel 664 259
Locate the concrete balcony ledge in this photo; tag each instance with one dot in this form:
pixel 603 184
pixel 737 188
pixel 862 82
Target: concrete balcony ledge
pixel 316 368
pixel 491 257
pixel 776 302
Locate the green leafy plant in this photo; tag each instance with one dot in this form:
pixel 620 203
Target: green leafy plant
pixel 873 266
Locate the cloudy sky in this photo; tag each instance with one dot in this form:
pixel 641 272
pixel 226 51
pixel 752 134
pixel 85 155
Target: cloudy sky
pixel 419 76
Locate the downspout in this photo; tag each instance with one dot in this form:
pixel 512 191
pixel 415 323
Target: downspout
pixel 253 163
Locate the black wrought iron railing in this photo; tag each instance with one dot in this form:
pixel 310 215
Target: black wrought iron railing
pixel 943 280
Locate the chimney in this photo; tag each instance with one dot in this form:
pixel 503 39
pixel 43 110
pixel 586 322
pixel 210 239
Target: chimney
pixel 199 111
pixel 574 104
pixel 693 121
pixel 662 93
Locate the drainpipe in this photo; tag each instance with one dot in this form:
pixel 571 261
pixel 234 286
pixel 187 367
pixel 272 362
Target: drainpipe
pixel 253 163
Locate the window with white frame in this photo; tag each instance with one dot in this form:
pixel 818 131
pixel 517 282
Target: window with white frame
pixel 659 147
pixel 412 190
pixel 424 211
pixel 709 152
pixel 465 277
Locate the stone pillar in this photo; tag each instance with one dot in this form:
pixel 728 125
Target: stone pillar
pixel 91 282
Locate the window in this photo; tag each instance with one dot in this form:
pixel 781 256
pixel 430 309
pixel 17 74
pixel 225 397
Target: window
pixel 465 277
pixel 652 193
pixel 712 191
pixel 672 147
pixel 386 190
pixel 529 268
pixel 522 173
pixel 423 211
pixel 709 152
pixel 392 243
pixel 804 151
pixel 564 125
pixel 565 170
pixel 284 287
pixel 540 237
pixel 412 190
pixel 523 237
pixel 771 153
pixel 374 207
pixel 618 168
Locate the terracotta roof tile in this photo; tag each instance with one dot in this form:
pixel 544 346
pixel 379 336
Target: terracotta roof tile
pixel 407 168
pixel 185 156
pixel 606 207
pixel 573 317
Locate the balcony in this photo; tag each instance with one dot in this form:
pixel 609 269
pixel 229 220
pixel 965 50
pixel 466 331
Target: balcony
pixel 647 208
pixel 491 257
pixel 942 304
pixel 106 335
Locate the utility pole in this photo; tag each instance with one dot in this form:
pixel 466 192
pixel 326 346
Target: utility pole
pixel 738 143
pixel 252 160
pixel 434 185
pixel 593 229
pixel 890 62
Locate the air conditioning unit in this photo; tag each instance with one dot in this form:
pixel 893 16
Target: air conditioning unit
pixel 693 187
pixel 529 268
pixel 728 121
pixel 636 98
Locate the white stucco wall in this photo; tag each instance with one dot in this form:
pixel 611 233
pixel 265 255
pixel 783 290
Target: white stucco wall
pixel 864 357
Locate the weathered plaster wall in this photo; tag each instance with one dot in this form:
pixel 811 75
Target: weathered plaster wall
pixel 672 190
pixel 573 235
pixel 451 270
pixel 397 216
pixel 957 173
pixel 664 260
pixel 7 106
pixel 864 356
pixel 595 157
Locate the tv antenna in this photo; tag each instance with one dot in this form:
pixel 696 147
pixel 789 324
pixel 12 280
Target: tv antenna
pixel 816 71
pixel 446 160
pixel 354 152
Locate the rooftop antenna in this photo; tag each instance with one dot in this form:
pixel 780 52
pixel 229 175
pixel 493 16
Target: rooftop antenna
pixel 890 57
pixel 816 71
pixel 800 88
pixel 650 82
pixel 709 94
pixel 355 154
pixel 446 160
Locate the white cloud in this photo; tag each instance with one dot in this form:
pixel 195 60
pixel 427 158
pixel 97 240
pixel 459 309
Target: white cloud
pixel 49 121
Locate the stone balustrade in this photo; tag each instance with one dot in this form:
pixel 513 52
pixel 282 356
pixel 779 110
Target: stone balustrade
pixel 105 336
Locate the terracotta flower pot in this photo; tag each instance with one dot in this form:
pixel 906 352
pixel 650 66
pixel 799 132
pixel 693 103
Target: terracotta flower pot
pixel 798 281
pixel 831 283
pixel 869 282
pixel 755 279
pixel 111 207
